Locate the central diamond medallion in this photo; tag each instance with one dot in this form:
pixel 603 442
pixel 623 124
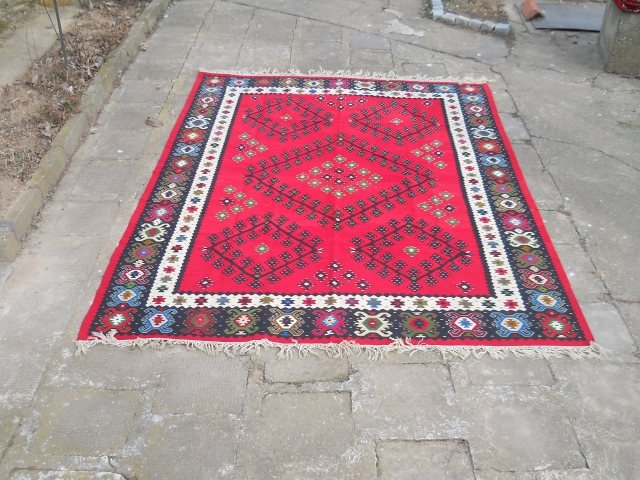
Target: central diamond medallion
pixel 339 177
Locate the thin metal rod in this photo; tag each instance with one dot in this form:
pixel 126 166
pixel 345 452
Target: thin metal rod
pixel 64 50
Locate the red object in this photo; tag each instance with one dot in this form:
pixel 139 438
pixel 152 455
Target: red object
pixel 530 10
pixel 630 6
pixel 319 210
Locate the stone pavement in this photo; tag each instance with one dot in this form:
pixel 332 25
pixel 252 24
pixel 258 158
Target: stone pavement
pixel 173 413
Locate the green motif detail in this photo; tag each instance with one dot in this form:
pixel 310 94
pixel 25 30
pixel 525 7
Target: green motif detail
pixel 141 251
pixel 242 322
pixel 415 325
pixel 535 258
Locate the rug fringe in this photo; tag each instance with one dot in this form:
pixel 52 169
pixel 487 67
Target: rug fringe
pixel 346 348
pixel 392 75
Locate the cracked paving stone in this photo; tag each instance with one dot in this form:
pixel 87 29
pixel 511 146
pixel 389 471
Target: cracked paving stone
pixel 313 368
pixel 519 430
pixel 510 371
pixel 197 383
pixel 84 422
pixel 62 475
pixel 304 435
pixel 202 446
pixel 389 398
pixel 437 459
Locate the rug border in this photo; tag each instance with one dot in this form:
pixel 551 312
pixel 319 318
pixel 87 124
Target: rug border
pixel 461 348
pixel 113 260
pixel 542 229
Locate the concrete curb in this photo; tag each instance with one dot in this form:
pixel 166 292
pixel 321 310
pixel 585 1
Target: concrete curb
pixel 16 222
pixel 439 15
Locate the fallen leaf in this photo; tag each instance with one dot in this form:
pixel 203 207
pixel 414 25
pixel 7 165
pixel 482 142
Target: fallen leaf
pixel 46 130
pixel 152 122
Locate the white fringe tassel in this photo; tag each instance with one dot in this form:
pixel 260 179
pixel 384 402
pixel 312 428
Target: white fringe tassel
pixel 360 74
pixel 345 348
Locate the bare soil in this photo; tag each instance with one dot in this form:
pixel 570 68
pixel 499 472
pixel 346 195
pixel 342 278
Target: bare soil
pixel 481 9
pixel 33 109
pixel 14 13
pixel 493 10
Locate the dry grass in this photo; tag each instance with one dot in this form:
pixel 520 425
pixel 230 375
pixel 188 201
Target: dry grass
pixel 481 9
pixel 33 109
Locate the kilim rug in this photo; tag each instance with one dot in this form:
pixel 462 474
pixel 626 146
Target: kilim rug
pixel 346 214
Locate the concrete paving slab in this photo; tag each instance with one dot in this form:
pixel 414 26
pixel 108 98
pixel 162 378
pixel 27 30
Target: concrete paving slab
pixel 430 70
pixel 573 53
pixel 313 368
pixel 279 444
pixel 65 259
pixel 414 54
pixel 145 92
pixel 363 42
pixel 128 117
pixel 615 83
pixel 319 55
pixel 84 422
pixel 596 412
pixel 8 424
pixel 622 459
pixel 19 377
pixel 490 474
pixel 389 398
pixel 186 17
pixel 413 5
pixel 370 60
pixel 540 182
pixel 575 474
pixel 543 440
pixel 271 27
pixel 204 446
pixel 609 329
pixel 38 314
pixel 456 42
pixel 108 181
pixel 170 51
pixel 332 12
pixel 5 271
pixel 503 100
pixel 558 118
pixel 106 368
pixel 312 31
pixel 155 70
pixel 79 218
pixel 61 475
pixel 630 313
pixel 517 371
pixel 213 56
pixel 257 56
pixel 582 274
pixel 586 178
pixel 515 128
pixel 560 228
pixel 228 26
pixel 118 144
pixel 196 383
pixel 442 459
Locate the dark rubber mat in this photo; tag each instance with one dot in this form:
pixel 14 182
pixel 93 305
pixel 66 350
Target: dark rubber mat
pixel 570 16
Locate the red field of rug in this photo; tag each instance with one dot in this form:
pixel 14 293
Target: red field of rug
pixel 338 212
